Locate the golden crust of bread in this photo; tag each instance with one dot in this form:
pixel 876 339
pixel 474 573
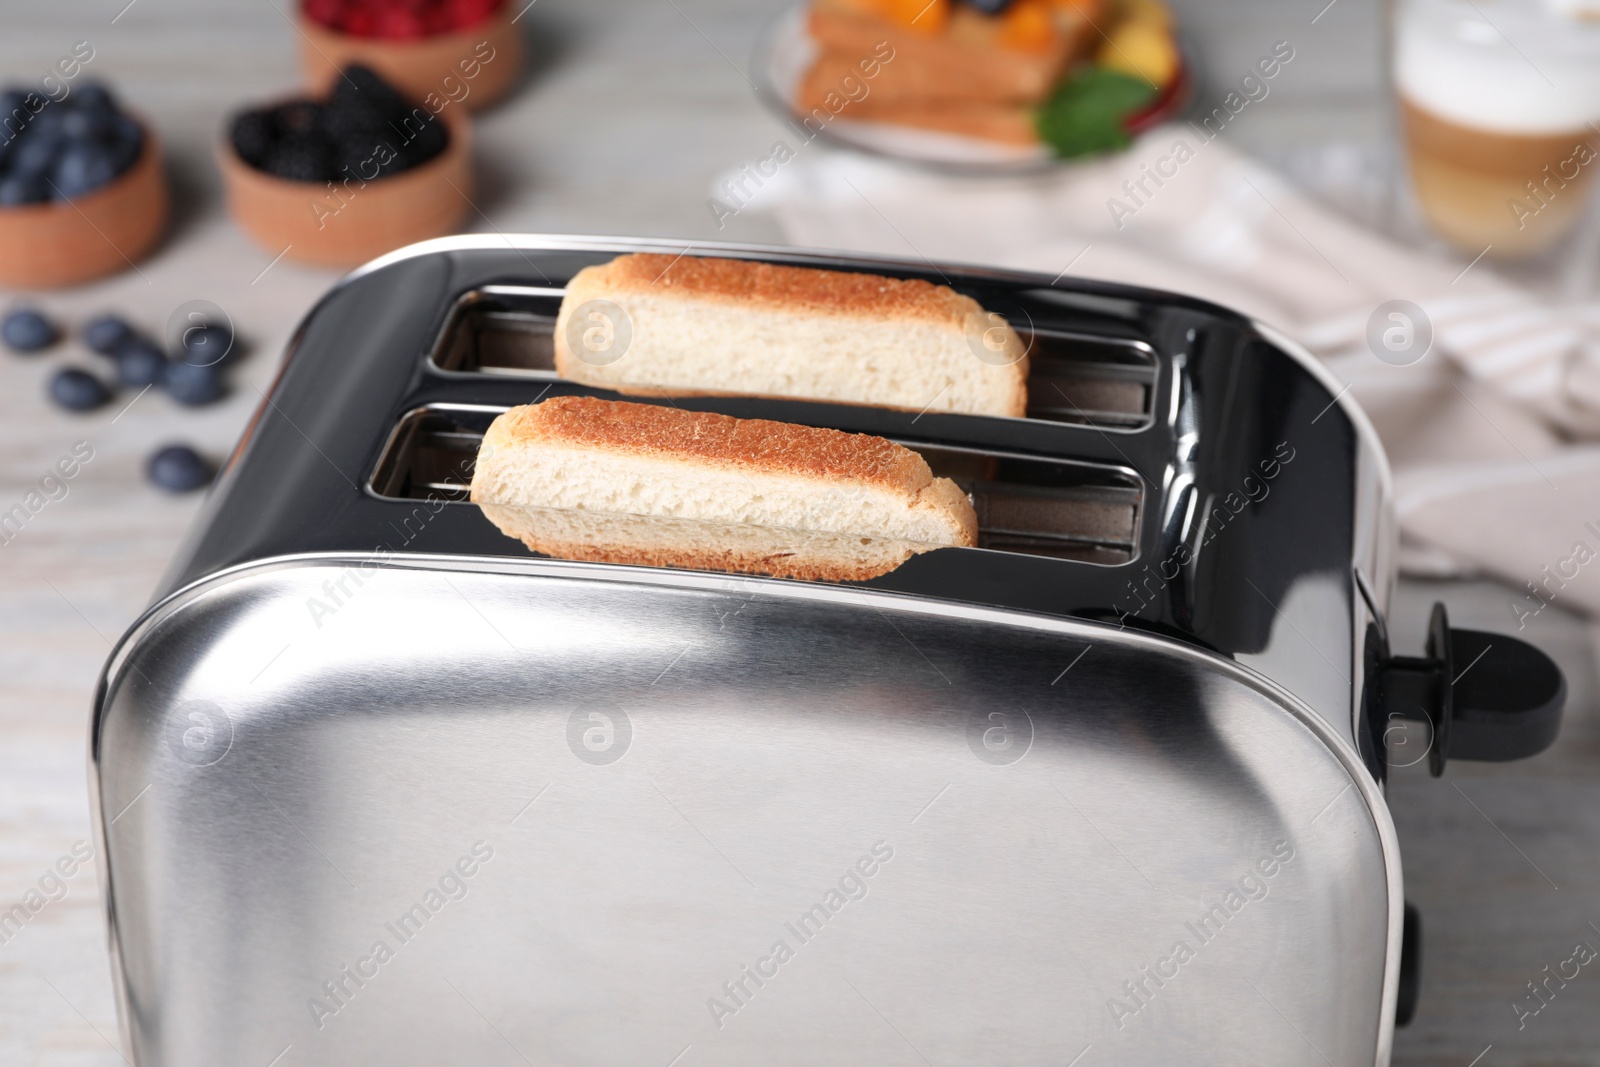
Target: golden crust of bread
pixel 824 84
pixel 1006 123
pixel 796 290
pixel 963 59
pixel 774 561
pixel 660 432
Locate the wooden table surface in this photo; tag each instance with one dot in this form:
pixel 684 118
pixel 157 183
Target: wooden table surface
pixel 629 110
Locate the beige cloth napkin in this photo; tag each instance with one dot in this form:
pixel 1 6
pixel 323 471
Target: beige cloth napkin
pixel 1494 435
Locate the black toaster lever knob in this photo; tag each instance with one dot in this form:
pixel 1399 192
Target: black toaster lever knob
pixel 1487 696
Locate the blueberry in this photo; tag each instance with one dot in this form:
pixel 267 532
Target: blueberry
pixel 25 330
pixel 13 106
pixel 179 469
pixel 82 168
pixel 106 333
pixel 78 390
pixel 140 363
pixel 19 189
pixel 192 385
pixel 93 96
pixel 35 154
pixel 82 124
pixel 207 346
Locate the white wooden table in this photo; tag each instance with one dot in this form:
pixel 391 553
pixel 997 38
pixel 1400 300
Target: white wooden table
pixel 629 111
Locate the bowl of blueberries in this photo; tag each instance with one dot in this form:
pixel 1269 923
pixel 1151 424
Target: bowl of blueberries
pixel 82 189
pixel 341 180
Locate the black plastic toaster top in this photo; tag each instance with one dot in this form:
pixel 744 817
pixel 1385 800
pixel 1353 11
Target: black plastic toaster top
pixel 1177 471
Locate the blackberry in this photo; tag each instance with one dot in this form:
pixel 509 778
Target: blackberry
pixel 365 130
pixel 301 159
pixel 299 118
pixel 254 134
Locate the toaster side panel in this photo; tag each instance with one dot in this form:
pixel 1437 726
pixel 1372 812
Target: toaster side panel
pixel 420 813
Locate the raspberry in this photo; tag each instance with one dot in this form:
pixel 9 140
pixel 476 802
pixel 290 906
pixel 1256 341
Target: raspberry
pixel 328 13
pixel 399 24
pixel 360 23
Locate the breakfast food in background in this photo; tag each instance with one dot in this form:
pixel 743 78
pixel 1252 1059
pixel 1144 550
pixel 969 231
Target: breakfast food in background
pixel 1076 75
pixel 340 181
pixel 82 190
pixel 606 481
pixel 1501 138
pixel 661 325
pixel 440 52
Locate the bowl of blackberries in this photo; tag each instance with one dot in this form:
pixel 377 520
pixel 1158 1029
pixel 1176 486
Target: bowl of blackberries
pixel 341 180
pixel 464 52
pixel 82 188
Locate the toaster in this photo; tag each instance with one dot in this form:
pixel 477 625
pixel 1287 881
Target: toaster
pixel 376 784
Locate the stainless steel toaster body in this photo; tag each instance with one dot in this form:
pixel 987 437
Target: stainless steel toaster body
pixel 378 785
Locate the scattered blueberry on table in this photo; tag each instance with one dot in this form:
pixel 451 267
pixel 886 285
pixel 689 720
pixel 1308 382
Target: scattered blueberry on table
pixel 78 390
pixel 26 330
pixel 208 346
pixel 140 362
pixel 106 333
pixel 71 147
pixel 192 384
pixel 179 469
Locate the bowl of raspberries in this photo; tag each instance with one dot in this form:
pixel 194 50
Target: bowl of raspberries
pixel 82 189
pixel 440 52
pixel 341 180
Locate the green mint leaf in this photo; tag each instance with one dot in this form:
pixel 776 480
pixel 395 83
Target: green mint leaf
pixel 1087 111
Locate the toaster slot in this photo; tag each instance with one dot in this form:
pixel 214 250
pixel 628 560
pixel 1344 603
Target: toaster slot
pixel 501 330
pixel 1038 507
pixel 1041 507
pixel 1073 377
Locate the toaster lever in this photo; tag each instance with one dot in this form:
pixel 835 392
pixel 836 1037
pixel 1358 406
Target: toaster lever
pixel 1487 696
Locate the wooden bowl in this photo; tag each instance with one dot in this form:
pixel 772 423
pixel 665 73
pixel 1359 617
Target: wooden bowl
pixel 109 230
pixel 314 223
pixel 436 66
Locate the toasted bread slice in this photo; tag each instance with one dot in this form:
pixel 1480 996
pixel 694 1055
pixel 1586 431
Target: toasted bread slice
pixel 833 87
pixel 606 481
pixel 1004 123
pixel 968 57
pixel 687 325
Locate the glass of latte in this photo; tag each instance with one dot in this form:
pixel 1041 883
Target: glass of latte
pixel 1500 113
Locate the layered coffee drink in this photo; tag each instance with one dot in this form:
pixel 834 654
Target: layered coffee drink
pixel 1500 108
